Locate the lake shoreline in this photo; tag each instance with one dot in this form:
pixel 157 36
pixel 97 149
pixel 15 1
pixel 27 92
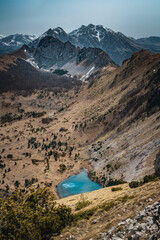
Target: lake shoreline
pixel 77 184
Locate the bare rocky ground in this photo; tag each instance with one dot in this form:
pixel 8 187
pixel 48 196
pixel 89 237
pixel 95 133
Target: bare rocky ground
pixel 146 225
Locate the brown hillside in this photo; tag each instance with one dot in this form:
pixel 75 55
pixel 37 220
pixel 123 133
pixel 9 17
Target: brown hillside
pixel 111 126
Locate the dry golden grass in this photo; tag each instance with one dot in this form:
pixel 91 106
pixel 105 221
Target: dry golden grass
pixel 123 208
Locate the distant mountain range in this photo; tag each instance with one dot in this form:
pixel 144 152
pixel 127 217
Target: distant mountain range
pixel 118 46
pixel 13 42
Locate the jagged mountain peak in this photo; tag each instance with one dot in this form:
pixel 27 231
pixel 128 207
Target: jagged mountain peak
pixel 92 27
pixel 50 41
pixel 57 33
pixel 57 30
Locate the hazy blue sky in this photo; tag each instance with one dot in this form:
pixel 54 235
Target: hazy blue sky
pixel 136 18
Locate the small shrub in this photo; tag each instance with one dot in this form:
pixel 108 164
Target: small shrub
pixel 47 120
pixel 34 161
pixel 63 129
pixel 108 206
pixel 116 189
pixel 115 182
pixel 62 168
pixel 108 166
pixel 135 184
pixel 84 215
pixel 60 72
pixel 82 204
pixel 125 198
pixel 150 178
pixel 16 184
pixel 2 165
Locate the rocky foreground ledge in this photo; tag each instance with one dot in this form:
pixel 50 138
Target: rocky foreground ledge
pixel 146 226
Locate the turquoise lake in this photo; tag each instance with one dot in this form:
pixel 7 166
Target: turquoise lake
pixel 77 184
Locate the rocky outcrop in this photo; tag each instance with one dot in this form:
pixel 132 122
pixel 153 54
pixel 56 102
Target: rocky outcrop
pixel 146 225
pixel 157 164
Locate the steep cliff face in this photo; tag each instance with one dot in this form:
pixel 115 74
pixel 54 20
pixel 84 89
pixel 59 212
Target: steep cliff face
pixel 117 45
pixel 52 53
pixel 157 163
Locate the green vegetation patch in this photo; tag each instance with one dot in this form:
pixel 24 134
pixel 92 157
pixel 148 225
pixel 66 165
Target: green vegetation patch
pixel 60 72
pixel 114 189
pixel 146 179
pixel 34 216
pixel 84 215
pixel 82 204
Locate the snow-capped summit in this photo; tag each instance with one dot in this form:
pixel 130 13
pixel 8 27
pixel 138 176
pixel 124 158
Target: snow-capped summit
pixel 57 33
pixel 117 45
pixel 18 39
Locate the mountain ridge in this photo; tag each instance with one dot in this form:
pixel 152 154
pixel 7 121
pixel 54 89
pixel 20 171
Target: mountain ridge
pixel 116 44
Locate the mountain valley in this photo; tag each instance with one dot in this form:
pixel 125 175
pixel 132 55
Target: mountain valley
pixel 66 105
pixel 109 125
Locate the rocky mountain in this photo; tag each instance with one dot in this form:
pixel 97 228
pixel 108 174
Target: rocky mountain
pixel 58 33
pixel 52 54
pixel 11 43
pixel 116 44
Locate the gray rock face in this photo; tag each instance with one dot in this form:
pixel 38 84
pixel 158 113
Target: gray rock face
pixel 117 45
pixel 52 54
pixel 51 51
pixel 146 225
pixel 157 164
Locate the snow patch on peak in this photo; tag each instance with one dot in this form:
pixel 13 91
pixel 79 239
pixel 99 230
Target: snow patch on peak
pixel 98 36
pixel 59 29
pixel 84 77
pixel 105 28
